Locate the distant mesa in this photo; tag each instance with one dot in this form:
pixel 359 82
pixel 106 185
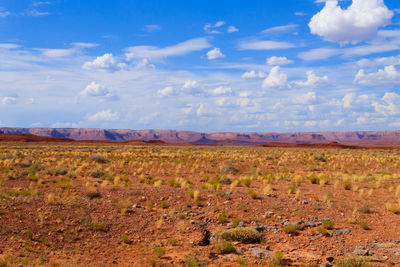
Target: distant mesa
pixel 328 139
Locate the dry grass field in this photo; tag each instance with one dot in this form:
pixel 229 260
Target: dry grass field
pixel 152 205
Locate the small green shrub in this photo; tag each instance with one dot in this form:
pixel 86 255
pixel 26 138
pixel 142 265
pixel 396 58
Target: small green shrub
pixel 96 173
pixel 352 262
pixel 244 235
pixel 235 222
pixel 224 247
pixel 159 251
pixel 252 193
pixel 291 228
pixel 364 225
pixel 328 224
pixel 99 159
pixel 164 204
pixel 222 218
pixel 276 259
pixel 366 208
pixel 125 239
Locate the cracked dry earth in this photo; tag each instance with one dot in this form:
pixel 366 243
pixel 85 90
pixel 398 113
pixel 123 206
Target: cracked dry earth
pixel 127 205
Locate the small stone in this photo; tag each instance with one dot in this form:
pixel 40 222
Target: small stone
pixel 344 231
pixel 304 202
pixel 326 264
pixel 260 253
pixel 360 251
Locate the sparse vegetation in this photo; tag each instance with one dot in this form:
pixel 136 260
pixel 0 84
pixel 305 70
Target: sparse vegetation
pixel 144 201
pixel 244 235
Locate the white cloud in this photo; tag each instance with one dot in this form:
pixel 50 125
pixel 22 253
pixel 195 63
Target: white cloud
pixel 152 28
pixel 167 91
pixel 357 23
pixel 191 86
pixel 300 13
pixel 221 91
pixel 221 101
pixel 305 99
pixel 311 123
pixel 278 61
pixel 388 75
pixel 362 50
pixel 214 54
pixel 104 115
pixel 264 45
pixel 32 12
pixel 395 124
pixel 65 52
pixel 319 53
pixel 389 104
pixel 281 28
pixel 4 13
pixel 9 46
pixel 348 100
pixel 144 63
pixel 381 61
pixel 365 50
pixel 212 28
pixel 312 80
pixel 205 110
pixel 106 62
pixel 361 120
pixel 243 102
pixel 96 90
pixel 30 101
pixel 183 48
pixel 339 122
pixel 232 29
pixel 275 79
pixel 9 100
pixel 253 74
pixel 57 52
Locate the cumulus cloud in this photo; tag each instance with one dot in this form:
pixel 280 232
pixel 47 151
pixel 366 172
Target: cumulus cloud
pixel 9 100
pixel 221 91
pixel 106 62
pixel 275 79
pixel 167 91
pixel 96 90
pixel 312 80
pixel 389 104
pixel 104 115
pixel 388 75
pixel 214 54
pixel 348 100
pixel 191 86
pixel 153 52
pixel 253 74
pixel 357 23
pixel 278 61
pixel 264 45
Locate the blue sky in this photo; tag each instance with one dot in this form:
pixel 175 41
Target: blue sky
pixel 247 66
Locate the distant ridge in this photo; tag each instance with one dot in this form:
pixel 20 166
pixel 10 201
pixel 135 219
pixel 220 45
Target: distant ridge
pixel 377 138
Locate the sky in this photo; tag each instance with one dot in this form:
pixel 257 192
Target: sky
pixel 242 66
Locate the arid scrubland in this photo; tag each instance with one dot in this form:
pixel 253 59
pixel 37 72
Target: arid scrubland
pixel 104 204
